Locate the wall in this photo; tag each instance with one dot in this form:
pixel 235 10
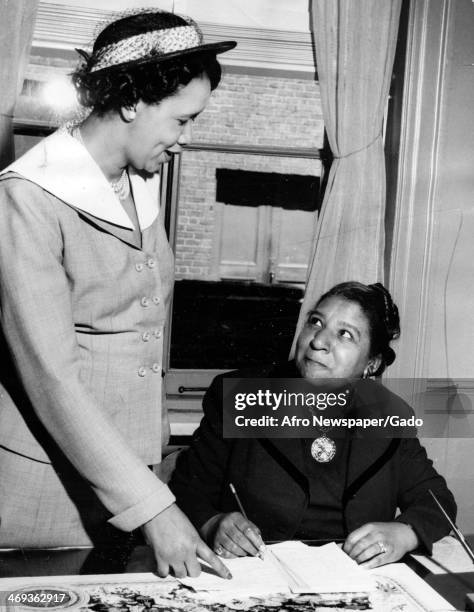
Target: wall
pixel 263 110
pixel 432 274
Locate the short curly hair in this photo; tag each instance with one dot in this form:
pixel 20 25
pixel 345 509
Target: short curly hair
pixel 124 86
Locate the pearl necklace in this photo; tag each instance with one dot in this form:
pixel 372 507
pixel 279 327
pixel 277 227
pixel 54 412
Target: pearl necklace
pixel 121 187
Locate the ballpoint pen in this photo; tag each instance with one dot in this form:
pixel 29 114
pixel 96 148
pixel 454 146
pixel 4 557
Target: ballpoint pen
pixel 455 529
pixel 261 550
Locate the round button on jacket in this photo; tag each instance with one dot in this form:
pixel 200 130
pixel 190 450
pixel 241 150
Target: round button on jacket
pixel 146 336
pixel 142 371
pixel 151 263
pixel 145 302
pixel 156 367
pixel 156 300
pixel 139 267
pixel 157 333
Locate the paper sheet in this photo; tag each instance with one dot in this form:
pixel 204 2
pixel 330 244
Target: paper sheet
pixel 290 566
pixel 324 569
pixel 250 576
pixel 448 557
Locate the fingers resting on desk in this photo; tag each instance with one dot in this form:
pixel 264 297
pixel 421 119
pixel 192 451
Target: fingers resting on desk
pixel 376 544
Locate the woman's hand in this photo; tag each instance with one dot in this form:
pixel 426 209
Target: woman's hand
pixel 235 536
pixel 376 544
pixel 177 545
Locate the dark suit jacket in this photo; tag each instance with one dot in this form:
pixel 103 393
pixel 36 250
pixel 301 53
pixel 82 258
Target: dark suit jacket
pixel 383 474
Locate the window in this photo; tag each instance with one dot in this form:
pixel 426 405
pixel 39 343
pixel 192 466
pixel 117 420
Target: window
pixel 242 229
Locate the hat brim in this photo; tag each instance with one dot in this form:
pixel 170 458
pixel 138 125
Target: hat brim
pixel 213 48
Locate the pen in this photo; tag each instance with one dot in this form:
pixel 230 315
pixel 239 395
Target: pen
pixel 455 529
pixel 239 503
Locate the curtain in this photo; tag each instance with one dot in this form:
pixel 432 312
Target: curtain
pixel 17 18
pixel 355 44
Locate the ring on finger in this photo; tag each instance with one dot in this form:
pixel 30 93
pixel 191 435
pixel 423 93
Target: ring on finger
pixel 382 547
pixel 218 550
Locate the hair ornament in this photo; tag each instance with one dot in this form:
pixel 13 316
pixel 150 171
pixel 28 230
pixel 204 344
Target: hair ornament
pixel 85 56
pixel 389 307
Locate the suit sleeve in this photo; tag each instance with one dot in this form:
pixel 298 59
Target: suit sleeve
pixel 37 321
pixel 417 506
pixel 199 475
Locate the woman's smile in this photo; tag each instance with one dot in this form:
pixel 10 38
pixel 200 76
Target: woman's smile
pixel 315 362
pixel 159 130
pixel 335 342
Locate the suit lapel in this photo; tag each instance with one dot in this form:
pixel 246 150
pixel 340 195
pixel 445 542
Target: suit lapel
pixel 367 456
pixel 288 452
pixel 370 401
pixel 363 454
pixel 124 234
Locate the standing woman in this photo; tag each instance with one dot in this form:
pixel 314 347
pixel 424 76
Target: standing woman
pixel 86 275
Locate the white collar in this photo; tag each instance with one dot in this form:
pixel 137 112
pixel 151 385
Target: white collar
pixel 61 165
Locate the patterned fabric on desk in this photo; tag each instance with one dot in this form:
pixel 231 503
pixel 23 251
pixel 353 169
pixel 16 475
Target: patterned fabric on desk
pixel 398 589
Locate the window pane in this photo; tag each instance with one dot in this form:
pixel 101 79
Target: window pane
pixel 240 269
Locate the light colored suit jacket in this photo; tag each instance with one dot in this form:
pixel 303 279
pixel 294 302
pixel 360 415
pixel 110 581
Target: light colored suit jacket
pixel 82 312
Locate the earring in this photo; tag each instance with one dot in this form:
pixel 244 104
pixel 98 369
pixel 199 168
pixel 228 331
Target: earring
pixel 129 113
pixel 367 372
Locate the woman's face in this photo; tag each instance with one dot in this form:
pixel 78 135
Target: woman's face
pixel 158 130
pixel 335 341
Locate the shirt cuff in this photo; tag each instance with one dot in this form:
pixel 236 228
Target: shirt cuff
pixel 145 510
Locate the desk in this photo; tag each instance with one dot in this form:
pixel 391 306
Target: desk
pixel 137 558
pixel 452 585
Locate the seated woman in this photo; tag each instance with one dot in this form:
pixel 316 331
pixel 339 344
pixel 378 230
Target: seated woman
pixel 289 489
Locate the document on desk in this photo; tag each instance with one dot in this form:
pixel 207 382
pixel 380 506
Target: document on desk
pixel 322 569
pixel 398 589
pixel 290 567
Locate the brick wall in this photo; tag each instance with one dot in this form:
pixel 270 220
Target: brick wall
pixel 262 110
pixel 248 110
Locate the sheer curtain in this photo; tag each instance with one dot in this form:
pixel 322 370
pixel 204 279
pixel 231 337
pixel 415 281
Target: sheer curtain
pixel 355 45
pixel 17 18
